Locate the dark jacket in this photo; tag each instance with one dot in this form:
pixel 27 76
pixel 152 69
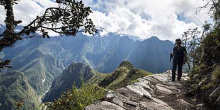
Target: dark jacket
pixel 179 54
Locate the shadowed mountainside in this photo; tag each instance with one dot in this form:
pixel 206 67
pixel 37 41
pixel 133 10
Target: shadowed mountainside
pixel 73 75
pixel 15 89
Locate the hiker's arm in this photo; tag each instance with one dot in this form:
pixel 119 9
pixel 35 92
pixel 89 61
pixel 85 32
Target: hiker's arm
pixel 185 55
pixel 171 54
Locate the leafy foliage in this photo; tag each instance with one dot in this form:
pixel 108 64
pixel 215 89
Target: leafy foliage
pixel 77 99
pixel 191 40
pixel 66 19
pixel 69 18
pixel 205 76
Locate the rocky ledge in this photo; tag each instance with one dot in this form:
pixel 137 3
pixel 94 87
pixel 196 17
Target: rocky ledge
pixel 154 92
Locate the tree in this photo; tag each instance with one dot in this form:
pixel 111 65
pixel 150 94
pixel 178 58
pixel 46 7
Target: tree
pixel 214 6
pixel 69 18
pixel 205 75
pixel 192 40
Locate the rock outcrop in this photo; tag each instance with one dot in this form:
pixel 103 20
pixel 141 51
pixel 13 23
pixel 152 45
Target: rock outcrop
pixel 152 92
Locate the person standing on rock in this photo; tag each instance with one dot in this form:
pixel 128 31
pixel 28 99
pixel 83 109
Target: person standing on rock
pixel 179 59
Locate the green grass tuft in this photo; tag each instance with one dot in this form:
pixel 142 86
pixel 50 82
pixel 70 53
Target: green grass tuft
pixel 77 99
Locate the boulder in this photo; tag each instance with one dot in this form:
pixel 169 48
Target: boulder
pixel 104 105
pixel 184 104
pixel 161 89
pixel 139 90
pixel 152 105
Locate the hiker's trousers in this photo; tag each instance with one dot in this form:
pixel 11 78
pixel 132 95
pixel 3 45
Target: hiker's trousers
pixel 177 63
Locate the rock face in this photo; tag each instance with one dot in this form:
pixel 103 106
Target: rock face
pixel 152 92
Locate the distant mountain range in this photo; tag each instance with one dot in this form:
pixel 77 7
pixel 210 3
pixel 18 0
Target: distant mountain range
pixel 43 60
pixel 46 58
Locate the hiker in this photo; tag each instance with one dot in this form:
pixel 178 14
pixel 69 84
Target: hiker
pixel 179 59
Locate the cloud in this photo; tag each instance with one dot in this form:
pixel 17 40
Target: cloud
pixel 167 19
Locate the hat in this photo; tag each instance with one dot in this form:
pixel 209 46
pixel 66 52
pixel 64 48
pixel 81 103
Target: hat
pixel 178 40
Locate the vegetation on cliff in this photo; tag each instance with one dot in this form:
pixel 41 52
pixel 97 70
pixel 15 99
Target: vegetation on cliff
pixel 204 80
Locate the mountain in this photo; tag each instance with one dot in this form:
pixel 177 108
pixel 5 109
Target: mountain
pixel 74 74
pixel 38 66
pixel 152 55
pixel 15 89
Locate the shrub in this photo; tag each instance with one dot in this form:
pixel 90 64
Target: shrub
pixel 77 99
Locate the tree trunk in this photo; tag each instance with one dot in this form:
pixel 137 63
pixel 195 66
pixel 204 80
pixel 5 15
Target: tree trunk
pixel 9 21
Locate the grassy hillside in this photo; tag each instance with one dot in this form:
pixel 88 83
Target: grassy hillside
pixel 124 75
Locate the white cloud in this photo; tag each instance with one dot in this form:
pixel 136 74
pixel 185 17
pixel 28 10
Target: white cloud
pixel 145 18
pixel 142 18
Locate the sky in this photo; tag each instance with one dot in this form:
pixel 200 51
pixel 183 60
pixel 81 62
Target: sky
pixel 166 19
